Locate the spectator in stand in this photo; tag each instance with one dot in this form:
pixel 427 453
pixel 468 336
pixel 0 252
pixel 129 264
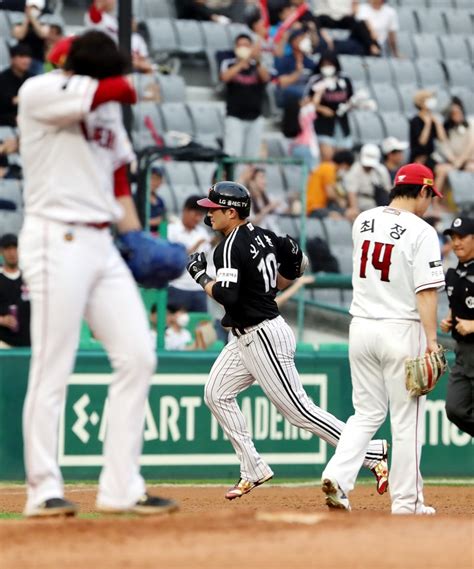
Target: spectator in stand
pixel 33 33
pixel 140 55
pixel 9 170
pixel 189 231
pixel 367 183
pixel 332 123
pixel 393 151
pixel 460 136
pixel 157 205
pixel 55 33
pixel 246 78
pixel 382 21
pixel 11 79
pixel 320 39
pixel 325 193
pixel 197 10
pixel 282 48
pixel 14 297
pixel 340 14
pixel 256 23
pixel 425 130
pixel 102 15
pixel 294 70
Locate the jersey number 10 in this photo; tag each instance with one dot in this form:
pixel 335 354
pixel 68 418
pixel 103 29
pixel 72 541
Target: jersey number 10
pixel 381 259
pixel 268 267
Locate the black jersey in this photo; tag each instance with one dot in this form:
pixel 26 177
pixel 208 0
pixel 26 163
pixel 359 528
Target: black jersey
pixel 246 264
pixel 14 292
pixel 460 288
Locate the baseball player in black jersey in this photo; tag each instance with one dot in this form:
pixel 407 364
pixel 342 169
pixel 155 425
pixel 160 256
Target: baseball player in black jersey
pixel 252 264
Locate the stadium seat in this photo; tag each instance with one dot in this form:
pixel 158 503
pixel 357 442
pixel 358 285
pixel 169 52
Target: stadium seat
pixel 315 228
pixel 147 111
pixel 189 36
pixel 427 45
pixel 207 118
pixel 354 67
pixel 7 132
pixel 431 21
pixel 406 95
pixel 444 4
pixel 470 43
pixel 275 182
pixel 467 97
pixel 179 173
pixel 460 21
pixel 216 37
pixel 5 26
pixel 463 4
pixel 405 44
pixel 161 35
pixel 176 117
pixel 431 73
pixel 11 190
pixel 396 125
pixel 172 88
pixel 462 184
pixel 183 192
pixel 11 221
pixel 290 225
pixel 387 97
pixel 204 172
pixel 277 145
pixel 293 177
pixel 338 232
pixel 145 9
pixel 343 254
pixel 403 72
pixel 412 3
pixel 455 47
pixel 354 129
pixel 369 127
pixel 378 70
pixel 407 19
pixel 460 73
pixel 4 52
pixel 234 29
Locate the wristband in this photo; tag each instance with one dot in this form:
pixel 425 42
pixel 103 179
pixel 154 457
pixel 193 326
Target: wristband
pixel 203 280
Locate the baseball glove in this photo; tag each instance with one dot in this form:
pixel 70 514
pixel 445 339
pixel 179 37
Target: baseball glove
pixel 153 262
pixel 293 262
pixel 422 373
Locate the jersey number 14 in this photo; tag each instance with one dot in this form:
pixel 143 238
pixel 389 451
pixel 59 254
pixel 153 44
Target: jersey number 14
pixel 381 258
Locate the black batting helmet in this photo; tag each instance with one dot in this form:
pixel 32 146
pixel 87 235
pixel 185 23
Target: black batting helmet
pixel 225 195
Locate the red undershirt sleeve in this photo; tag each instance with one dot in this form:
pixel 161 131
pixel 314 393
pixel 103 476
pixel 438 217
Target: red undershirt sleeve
pixel 116 89
pixel 121 185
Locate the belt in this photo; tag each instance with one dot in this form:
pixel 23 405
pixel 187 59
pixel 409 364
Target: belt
pixel 102 225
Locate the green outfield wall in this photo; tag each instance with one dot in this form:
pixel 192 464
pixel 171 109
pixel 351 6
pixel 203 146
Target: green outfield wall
pixel 183 441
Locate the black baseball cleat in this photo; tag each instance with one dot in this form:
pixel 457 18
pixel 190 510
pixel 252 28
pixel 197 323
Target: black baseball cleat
pixel 152 505
pixel 52 507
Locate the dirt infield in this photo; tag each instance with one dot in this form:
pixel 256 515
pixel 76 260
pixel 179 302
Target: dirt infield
pixel 273 527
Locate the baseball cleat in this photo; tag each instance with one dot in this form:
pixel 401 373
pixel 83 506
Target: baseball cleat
pixel 426 511
pixel 52 507
pixel 245 486
pixel 380 471
pixel 146 506
pixel 335 497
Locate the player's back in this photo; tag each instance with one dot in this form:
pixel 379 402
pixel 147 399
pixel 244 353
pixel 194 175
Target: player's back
pixel 396 254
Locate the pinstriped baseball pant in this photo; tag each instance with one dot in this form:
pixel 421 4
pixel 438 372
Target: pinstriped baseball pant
pixel 266 355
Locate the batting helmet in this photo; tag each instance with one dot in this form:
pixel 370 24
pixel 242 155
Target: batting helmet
pixel 224 195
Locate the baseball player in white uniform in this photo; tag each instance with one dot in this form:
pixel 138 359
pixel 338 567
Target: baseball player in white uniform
pixel 397 271
pixel 74 151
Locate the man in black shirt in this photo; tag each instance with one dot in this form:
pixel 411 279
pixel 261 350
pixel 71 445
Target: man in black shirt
pixel 252 264
pixel 14 297
pixel 11 79
pixel 245 77
pixel 460 320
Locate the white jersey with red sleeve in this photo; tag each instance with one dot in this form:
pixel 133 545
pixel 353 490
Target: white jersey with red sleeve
pixel 103 21
pixel 396 255
pixel 69 152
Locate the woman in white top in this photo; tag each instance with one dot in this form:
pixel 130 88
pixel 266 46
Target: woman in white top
pixel 382 21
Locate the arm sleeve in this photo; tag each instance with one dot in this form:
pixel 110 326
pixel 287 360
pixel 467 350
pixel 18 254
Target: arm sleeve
pixel 58 104
pixel 428 268
pixel 226 288
pixel 121 184
pixel 116 89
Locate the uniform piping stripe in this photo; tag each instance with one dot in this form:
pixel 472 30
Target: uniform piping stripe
pixel 227 253
pixel 286 384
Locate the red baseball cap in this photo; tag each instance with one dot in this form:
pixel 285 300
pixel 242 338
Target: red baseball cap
pixel 416 174
pixel 60 50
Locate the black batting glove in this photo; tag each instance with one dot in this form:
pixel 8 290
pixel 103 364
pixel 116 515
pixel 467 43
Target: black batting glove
pixel 196 267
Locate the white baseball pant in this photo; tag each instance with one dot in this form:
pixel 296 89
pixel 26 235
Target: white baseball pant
pixel 377 351
pixel 74 272
pixel 266 354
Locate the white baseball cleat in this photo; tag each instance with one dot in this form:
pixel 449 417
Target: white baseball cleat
pixel 426 511
pixel 335 497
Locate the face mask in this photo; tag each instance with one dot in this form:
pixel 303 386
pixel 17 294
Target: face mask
pixel 35 12
pixel 431 103
pixel 182 320
pixel 243 52
pixel 328 71
pixel 305 45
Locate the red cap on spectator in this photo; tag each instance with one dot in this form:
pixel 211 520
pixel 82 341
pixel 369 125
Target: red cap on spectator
pixel 60 50
pixel 416 174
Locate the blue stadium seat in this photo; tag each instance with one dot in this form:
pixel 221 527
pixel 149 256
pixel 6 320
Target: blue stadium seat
pixel 293 177
pixel 190 37
pixel 460 73
pixel 403 71
pixel 207 118
pixel 354 66
pixel 179 173
pixel 369 127
pixel 183 191
pixel 460 21
pixel 11 221
pixel 378 70
pixel 11 190
pixel 144 9
pixel 161 35
pixel 176 117
pixel 216 36
pixel 338 232
pixel 172 88
pixel 387 97
pixel 430 73
pixel 462 184
pixel 467 97
pixel 5 26
pixel 290 225
pixel 427 45
pixel 405 44
pixel 204 172
pixel 407 19
pixel 396 125
pixel 406 95
pixel 316 228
